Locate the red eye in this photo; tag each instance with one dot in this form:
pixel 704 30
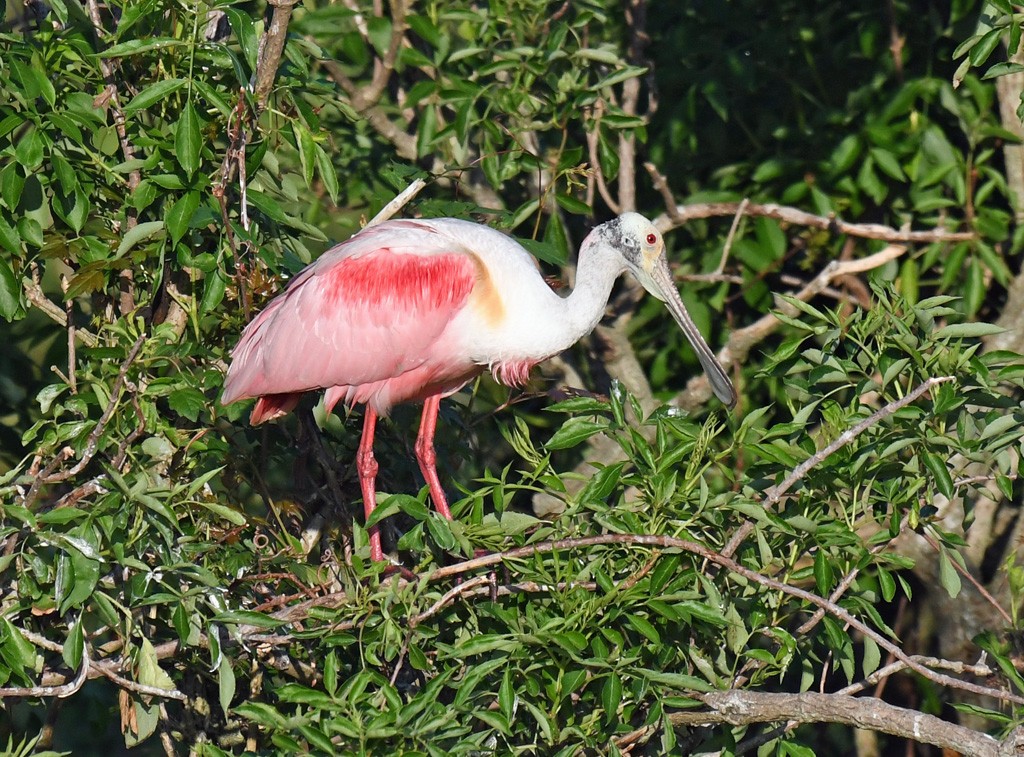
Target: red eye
pixel 652 238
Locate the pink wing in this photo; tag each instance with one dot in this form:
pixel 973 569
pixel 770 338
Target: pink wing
pixel 369 310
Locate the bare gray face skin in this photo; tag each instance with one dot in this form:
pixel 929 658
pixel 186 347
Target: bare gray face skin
pixel 643 251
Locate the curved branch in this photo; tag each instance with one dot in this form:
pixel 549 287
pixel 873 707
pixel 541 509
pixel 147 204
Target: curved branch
pixel 747 707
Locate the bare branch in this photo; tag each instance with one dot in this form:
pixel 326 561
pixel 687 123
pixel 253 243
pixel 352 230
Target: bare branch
pixel 747 707
pixel 636 21
pixel 740 212
pixel 35 295
pixel 365 100
pixel 593 135
pixel 400 201
pixel 270 50
pixel 833 224
pixel 661 184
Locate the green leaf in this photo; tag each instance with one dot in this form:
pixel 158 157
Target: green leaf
pixel 180 214
pixel 17 651
pixel 188 402
pixel 441 532
pixel 74 646
pixel 940 473
pixel 153 94
pixel 1003 69
pixel 136 46
pixel 12 182
pixel 645 627
pixel 225 685
pixel 967 330
pixel 988 42
pixel 150 672
pixel 379 29
pixel 573 432
pixel 307 151
pixel 824 576
pixel 215 284
pixel 949 579
pixel 263 714
pixel 188 140
pixel 29 150
pixel 1000 425
pixel 139 233
pixel 624 73
pixel 611 696
pixel 225 512
pixel 245 30
pixel 872 656
pixel 30 231
pixel 328 175
pixel 679 681
pixel 513 523
pixel 10 291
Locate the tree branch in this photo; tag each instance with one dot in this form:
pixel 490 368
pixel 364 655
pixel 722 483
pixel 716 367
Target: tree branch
pixel 270 50
pixel 747 707
pixel 684 213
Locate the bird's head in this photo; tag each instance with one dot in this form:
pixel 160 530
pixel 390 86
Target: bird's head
pixel 642 248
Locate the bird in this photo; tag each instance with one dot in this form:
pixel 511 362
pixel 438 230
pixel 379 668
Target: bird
pixel 410 310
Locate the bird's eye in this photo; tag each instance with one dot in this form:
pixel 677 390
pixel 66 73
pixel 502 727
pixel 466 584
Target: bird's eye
pixel 652 238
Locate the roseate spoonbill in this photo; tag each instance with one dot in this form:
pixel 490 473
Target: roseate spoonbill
pixel 413 309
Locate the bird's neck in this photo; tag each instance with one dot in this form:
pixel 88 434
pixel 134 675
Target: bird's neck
pixel 596 271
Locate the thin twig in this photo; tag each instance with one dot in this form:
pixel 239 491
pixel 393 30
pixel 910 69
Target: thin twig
pixel 365 100
pixel 843 585
pixel 971 580
pixel 62 691
pixel 593 135
pixel 448 597
pixel 400 201
pixel 727 247
pixel 35 295
pixel 741 342
pixel 661 184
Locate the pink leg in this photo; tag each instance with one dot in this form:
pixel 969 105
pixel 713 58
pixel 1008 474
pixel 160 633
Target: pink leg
pixel 427 457
pixel 366 464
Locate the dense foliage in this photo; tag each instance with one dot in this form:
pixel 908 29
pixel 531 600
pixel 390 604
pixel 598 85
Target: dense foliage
pixel 176 579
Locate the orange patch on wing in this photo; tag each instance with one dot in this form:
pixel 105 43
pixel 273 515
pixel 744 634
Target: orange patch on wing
pixel 485 298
